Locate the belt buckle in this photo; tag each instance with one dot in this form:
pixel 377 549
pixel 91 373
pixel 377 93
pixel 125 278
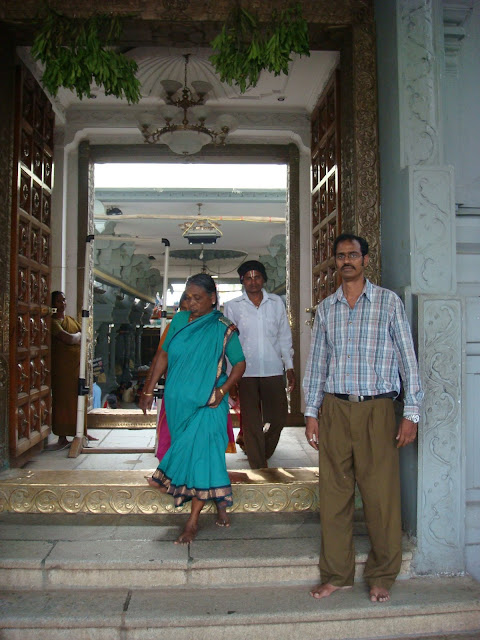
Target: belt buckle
pixel 352 398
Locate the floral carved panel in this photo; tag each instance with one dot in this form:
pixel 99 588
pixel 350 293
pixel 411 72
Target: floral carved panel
pixel 418 60
pixel 441 500
pixel 432 230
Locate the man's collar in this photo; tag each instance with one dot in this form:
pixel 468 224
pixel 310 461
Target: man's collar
pixel 338 296
pixel 265 296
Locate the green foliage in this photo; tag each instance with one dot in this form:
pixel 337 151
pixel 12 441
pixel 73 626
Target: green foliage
pixel 76 54
pixel 244 47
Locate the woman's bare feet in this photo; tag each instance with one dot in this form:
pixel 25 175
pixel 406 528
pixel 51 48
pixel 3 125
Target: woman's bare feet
pixel 379 594
pixel 155 485
pixel 222 517
pixel 325 590
pixel 188 534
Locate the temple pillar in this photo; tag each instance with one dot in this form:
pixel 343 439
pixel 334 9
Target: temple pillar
pixel 418 262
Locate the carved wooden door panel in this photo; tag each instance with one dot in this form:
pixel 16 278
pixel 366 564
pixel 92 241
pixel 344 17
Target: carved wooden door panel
pixel 30 397
pixel 326 210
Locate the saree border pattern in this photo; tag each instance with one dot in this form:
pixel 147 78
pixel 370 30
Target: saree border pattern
pixel 182 494
pixel 126 492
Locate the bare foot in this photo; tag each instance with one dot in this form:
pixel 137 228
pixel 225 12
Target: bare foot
pixel 222 518
pixel 62 443
pixel 325 590
pixel 379 594
pixel 91 438
pixel 155 485
pixel 188 534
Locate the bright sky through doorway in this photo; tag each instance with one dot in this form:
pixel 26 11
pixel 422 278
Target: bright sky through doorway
pixel 191 176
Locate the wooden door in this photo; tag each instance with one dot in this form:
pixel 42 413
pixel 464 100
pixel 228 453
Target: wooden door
pixel 326 209
pixel 30 396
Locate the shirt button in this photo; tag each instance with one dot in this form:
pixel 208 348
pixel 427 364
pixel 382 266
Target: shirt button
pixel 348 356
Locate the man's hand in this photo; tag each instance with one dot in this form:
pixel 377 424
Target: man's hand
pixel 311 431
pixel 290 380
pixel 407 432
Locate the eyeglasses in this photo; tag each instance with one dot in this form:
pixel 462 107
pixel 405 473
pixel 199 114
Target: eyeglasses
pixel 353 255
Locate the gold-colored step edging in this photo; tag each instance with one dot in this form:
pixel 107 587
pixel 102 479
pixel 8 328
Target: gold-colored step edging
pixel 127 492
pixel 121 419
pixel 129 419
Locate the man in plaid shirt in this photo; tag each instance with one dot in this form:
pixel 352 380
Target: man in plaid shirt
pixel 361 346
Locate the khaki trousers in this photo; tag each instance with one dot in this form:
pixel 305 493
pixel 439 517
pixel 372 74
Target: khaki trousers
pixel 357 443
pixel 262 400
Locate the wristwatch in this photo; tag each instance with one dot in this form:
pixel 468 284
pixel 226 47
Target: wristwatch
pixel 413 417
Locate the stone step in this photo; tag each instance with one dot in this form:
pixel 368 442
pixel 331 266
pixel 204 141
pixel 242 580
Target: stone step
pixel 419 606
pixel 126 492
pixel 72 552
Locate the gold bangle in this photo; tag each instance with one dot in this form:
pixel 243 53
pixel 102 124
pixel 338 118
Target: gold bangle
pixel 221 391
pixel 147 394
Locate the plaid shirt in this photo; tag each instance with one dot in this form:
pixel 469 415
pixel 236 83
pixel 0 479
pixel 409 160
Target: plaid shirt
pixel 361 351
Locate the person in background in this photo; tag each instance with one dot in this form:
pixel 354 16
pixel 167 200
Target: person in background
pixel 66 336
pixel 97 395
pixel 361 346
pixel 266 340
pixel 196 403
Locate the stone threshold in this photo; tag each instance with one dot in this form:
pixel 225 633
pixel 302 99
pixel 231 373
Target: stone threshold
pixel 126 492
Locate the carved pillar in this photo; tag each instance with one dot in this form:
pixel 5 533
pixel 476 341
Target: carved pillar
pixel 419 257
pixel 7 111
pixel 102 348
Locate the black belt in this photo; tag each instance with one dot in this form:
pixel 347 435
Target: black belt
pixel 352 398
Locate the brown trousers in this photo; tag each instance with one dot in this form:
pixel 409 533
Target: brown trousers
pixel 357 443
pixel 262 400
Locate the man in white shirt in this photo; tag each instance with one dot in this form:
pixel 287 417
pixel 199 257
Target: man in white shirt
pixel 266 340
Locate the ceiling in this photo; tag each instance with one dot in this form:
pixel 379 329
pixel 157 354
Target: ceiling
pixel 273 98
pixel 250 220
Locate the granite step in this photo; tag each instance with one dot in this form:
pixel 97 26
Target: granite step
pixel 419 607
pixel 80 552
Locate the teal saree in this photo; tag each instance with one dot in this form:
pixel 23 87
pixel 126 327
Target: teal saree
pixel 194 465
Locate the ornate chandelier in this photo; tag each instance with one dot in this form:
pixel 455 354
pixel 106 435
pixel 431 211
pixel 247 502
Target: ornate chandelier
pixel 201 230
pixel 186 138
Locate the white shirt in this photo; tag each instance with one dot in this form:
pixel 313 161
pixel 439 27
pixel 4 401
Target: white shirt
pixel 265 334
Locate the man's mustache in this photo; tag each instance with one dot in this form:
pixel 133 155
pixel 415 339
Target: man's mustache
pixel 347 265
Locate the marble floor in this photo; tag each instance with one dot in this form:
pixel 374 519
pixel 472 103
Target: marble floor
pixel 292 451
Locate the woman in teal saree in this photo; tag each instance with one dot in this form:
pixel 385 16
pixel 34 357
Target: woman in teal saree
pixel 196 402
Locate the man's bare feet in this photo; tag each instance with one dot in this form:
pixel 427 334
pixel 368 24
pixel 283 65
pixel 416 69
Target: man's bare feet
pixel 222 517
pixel 325 590
pixel 379 594
pixel 188 534
pixel 155 485
pixel 91 438
pixel 62 443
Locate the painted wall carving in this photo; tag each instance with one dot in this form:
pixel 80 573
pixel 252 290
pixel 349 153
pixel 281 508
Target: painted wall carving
pixel 419 92
pixel 367 210
pixel 441 501
pixel 432 230
pixel 6 166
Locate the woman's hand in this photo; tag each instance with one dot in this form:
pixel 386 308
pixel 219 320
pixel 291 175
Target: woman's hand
pixel 218 398
pixel 145 402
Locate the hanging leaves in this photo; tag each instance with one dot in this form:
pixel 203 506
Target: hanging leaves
pixel 77 53
pixel 244 47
